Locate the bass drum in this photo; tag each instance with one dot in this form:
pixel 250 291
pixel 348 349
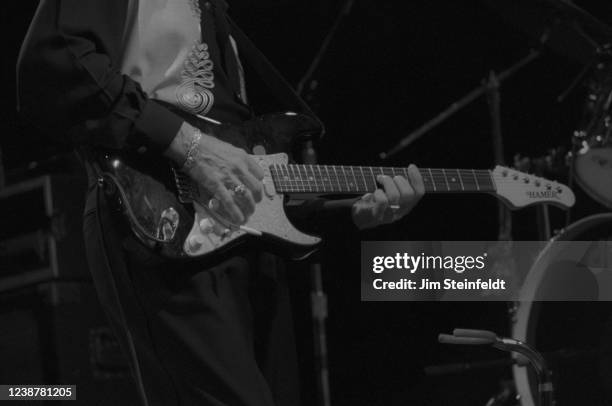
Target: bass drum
pixel 575 335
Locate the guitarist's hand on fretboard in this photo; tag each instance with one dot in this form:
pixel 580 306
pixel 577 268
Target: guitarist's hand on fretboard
pixel 228 174
pixel 391 201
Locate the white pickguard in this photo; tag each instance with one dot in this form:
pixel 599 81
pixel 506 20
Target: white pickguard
pixel 211 232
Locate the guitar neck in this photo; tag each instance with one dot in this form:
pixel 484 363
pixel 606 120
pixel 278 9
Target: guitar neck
pixel 333 179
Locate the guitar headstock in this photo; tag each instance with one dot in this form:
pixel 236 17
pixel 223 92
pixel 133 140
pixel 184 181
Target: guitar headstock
pixel 519 189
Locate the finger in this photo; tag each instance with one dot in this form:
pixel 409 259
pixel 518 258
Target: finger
pixel 381 204
pixel 244 199
pixel 416 180
pixel 250 181
pixel 407 193
pixel 390 189
pixel 254 168
pixel 368 197
pixel 246 202
pixel 228 204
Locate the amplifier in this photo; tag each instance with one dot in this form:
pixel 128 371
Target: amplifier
pixel 41 231
pixel 55 333
pixel 54 330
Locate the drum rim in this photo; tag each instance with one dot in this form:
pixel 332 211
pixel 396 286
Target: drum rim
pixel 589 190
pixel 521 318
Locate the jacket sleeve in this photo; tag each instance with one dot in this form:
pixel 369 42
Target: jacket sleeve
pixel 70 85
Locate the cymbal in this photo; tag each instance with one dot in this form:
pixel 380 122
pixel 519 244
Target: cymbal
pixel 559 24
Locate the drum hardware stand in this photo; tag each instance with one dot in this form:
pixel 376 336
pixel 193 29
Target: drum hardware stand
pixel 461 103
pixel 535 359
pixel 577 80
pixel 308 79
pixel 318 298
pixel 507 392
pixel 461 367
pixel 318 305
pixel 493 99
pixel 579 136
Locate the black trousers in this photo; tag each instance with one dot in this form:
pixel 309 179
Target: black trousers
pixel 216 336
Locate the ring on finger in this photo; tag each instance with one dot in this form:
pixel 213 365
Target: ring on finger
pixel 239 189
pixel 213 204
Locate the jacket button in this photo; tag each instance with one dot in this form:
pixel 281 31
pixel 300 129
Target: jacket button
pixel 142 150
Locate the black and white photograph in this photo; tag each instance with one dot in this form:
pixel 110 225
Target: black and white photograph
pixel 306 203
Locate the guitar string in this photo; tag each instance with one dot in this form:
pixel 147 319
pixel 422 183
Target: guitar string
pixel 441 177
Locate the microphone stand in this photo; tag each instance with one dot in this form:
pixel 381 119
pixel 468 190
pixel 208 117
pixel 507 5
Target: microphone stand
pixel 318 298
pixel 314 65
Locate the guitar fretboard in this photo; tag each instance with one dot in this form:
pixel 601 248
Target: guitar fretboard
pixel 362 179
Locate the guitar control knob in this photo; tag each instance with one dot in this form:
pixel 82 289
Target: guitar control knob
pixel 548 186
pixel 526 180
pixel 537 183
pixel 206 225
pixel 559 190
pixel 195 242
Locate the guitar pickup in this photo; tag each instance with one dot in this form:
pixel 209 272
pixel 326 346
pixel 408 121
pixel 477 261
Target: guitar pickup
pixel 187 190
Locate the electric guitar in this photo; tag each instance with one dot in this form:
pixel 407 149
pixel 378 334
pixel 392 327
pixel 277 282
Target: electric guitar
pixel 172 215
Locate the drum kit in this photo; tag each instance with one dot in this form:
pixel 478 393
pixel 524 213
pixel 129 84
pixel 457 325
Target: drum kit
pixel 575 337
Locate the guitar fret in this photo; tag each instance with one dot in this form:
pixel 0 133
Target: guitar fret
pixel 298 178
pixel 325 189
pixel 353 179
pixel 433 182
pixel 304 178
pixel 476 180
pixel 346 184
pixel 373 187
pixel 356 179
pixel 446 180
pixel 309 179
pixel 328 178
pixel 362 179
pixel 285 174
pixel 337 178
pixel 275 177
pixel 454 185
pixel 460 179
pixel 342 179
pixel 294 184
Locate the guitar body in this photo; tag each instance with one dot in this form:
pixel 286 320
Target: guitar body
pixel 171 216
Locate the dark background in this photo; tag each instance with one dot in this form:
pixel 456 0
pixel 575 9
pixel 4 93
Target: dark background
pixel 392 66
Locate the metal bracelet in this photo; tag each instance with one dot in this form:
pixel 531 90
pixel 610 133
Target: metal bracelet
pixel 190 156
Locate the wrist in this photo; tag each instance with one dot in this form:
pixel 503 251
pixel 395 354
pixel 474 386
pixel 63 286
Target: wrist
pixel 183 147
